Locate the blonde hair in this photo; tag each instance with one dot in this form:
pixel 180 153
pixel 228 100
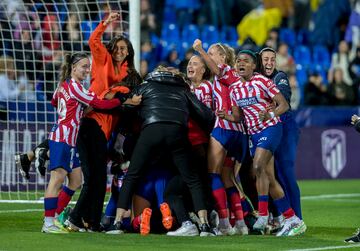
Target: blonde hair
pixel 228 51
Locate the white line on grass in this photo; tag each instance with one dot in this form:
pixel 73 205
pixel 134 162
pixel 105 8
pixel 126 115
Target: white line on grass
pixel 41 201
pixel 327 248
pixel 20 211
pixel 330 196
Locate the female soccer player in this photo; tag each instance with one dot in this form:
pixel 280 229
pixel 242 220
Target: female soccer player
pixel 70 98
pixel 112 71
pixel 227 138
pixel 286 152
pixel 253 96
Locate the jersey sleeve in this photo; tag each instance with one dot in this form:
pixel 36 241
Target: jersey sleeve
pixel 271 89
pixel 205 95
pixel 78 92
pixel 228 75
pixel 282 83
pixel 54 99
pixel 97 48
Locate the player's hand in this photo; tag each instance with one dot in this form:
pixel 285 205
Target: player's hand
pixel 135 100
pixel 112 17
pixel 197 45
pixel 354 118
pixel 221 113
pixel 264 115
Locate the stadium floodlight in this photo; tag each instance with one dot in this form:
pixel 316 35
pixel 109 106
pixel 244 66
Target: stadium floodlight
pixel 34 35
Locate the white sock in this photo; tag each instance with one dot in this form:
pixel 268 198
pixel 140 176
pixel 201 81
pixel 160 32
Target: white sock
pixel 49 221
pixel 224 223
pixel 240 223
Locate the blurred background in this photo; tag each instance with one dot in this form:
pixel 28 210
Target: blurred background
pixel 317 43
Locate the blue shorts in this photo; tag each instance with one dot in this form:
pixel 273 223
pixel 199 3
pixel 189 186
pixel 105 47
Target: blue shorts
pixel 153 184
pixel 64 156
pixel 268 139
pixel 235 142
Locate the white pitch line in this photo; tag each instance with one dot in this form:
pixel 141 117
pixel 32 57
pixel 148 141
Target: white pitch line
pixel 20 211
pixel 28 201
pixel 330 196
pixel 327 248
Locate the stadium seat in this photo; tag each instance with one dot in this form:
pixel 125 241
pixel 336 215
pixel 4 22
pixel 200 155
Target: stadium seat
pixel 229 35
pixel 168 15
pixel 302 56
pixel 321 56
pixel 210 34
pixel 288 36
pixel 301 75
pixel 86 27
pixel 170 33
pixel 302 37
pixel 190 33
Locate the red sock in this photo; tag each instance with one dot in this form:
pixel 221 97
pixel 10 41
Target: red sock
pixel 235 202
pixel 289 213
pixel 263 205
pixel 220 202
pixel 64 199
pixel 136 223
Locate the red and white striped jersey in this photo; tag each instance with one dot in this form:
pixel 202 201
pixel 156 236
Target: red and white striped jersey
pixel 221 93
pixel 69 99
pixel 204 93
pixel 252 97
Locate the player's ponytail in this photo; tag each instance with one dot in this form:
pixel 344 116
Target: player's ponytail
pixel 69 61
pixel 65 70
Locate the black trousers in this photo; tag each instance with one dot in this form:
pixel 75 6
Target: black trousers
pixel 177 195
pixel 92 147
pixel 155 137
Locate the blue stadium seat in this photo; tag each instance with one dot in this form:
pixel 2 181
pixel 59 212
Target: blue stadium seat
pixel 170 33
pixel 229 35
pixel 169 15
pixel 86 27
pixel 301 75
pixel 190 33
pixel 303 37
pixel 288 36
pixel 210 34
pixel 321 56
pixel 302 56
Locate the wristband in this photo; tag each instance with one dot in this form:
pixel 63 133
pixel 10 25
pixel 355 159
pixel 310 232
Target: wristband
pixel 272 115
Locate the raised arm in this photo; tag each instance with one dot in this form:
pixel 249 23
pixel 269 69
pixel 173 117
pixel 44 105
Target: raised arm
pixel 98 50
pixel 197 46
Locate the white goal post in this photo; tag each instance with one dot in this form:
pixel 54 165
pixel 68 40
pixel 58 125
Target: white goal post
pixel 34 35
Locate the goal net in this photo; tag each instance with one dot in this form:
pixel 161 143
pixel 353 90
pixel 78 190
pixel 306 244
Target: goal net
pixel 34 35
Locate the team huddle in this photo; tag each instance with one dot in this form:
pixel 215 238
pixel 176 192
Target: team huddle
pixel 195 152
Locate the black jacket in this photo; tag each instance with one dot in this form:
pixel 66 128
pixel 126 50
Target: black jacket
pixel 167 98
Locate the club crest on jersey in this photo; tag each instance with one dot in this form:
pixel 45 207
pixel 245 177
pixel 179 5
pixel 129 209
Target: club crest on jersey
pixel 283 81
pixel 333 146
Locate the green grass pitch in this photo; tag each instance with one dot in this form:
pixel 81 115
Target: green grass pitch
pixel 331 210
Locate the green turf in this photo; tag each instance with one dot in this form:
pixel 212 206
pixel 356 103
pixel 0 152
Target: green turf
pixel 329 221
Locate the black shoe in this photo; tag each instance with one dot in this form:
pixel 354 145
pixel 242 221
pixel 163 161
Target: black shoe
pixel 355 238
pixel 205 230
pixel 23 163
pixel 115 228
pixel 40 159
